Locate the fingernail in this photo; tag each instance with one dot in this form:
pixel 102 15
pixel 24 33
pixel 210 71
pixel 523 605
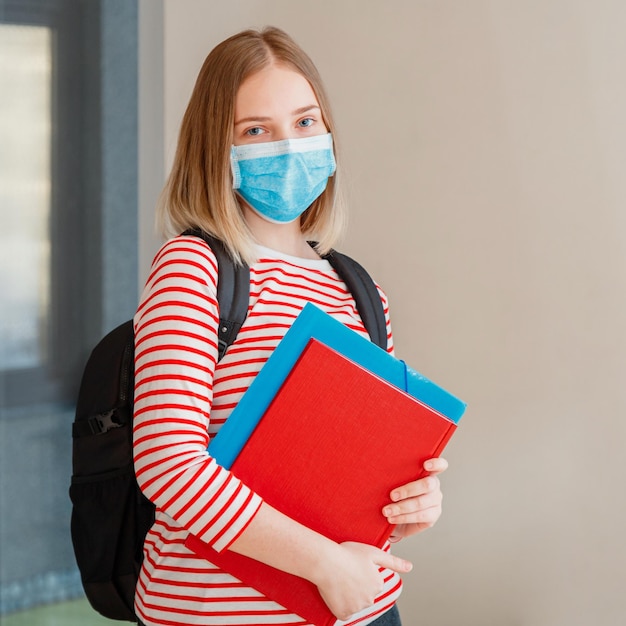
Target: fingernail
pixel 429 465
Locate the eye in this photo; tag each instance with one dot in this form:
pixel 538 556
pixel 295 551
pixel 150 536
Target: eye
pixel 255 132
pixel 306 122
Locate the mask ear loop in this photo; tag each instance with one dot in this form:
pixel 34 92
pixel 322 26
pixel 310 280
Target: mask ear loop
pixel 234 168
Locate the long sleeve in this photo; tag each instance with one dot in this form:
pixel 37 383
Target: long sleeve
pixel 175 359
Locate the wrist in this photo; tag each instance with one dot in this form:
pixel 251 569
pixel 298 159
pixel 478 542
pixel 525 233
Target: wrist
pixel 324 561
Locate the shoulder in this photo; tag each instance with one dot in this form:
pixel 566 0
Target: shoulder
pixel 183 264
pixel 184 270
pixel 358 277
pixel 383 297
pixel 185 249
pixel 187 255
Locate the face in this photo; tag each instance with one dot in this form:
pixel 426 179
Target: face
pixel 276 103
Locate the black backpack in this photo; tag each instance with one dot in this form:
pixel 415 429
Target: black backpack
pixel 110 515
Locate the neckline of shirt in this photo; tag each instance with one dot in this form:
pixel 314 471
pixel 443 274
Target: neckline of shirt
pixel 264 253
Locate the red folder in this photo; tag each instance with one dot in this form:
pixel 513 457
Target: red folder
pixel 333 443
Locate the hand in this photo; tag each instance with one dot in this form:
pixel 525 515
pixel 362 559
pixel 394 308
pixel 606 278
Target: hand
pixel 416 506
pixel 351 580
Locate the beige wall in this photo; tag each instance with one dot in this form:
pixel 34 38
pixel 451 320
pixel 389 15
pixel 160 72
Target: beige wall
pixel 486 147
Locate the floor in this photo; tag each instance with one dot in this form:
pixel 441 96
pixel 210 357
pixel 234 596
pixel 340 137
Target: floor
pixel 75 613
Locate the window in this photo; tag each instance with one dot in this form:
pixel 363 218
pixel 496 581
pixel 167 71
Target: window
pixel 43 169
pixel 25 190
pixel 68 258
pixel 25 198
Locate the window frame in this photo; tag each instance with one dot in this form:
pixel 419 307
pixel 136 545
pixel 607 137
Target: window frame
pixel 75 309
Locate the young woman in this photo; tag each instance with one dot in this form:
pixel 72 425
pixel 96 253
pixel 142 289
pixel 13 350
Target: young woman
pixel 255 167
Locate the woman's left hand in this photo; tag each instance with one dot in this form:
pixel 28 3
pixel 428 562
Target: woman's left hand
pixel 416 506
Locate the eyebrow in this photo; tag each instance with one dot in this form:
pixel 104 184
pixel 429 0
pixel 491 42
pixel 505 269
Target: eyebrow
pixel 261 118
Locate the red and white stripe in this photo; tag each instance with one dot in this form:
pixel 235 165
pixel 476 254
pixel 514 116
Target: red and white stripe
pixel 182 397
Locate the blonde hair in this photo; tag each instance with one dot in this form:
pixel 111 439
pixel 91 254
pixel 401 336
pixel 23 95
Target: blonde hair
pixel 198 192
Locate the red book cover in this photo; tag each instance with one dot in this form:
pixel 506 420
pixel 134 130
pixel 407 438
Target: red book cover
pixel 334 442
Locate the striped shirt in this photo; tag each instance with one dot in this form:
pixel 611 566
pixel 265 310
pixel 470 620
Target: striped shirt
pixel 183 396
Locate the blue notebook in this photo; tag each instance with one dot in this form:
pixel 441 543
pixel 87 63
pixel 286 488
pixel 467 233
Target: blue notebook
pixel 315 323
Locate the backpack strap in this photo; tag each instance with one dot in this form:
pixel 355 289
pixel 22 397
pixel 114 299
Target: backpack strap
pixel 365 294
pixel 115 352
pixel 233 291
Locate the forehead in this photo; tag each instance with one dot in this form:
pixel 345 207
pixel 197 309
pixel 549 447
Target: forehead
pixel 272 89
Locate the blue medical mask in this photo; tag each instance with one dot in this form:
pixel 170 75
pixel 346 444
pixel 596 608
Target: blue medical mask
pixel 281 179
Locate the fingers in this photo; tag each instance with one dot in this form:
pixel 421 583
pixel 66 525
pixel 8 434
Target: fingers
pixel 408 514
pixel 393 562
pixel 418 502
pixel 428 484
pixel 423 485
pixel 436 466
pixel 425 518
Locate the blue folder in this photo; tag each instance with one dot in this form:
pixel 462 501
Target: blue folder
pixel 315 323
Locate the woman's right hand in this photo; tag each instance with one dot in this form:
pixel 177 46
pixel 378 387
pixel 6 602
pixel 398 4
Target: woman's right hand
pixel 347 575
pixel 350 581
